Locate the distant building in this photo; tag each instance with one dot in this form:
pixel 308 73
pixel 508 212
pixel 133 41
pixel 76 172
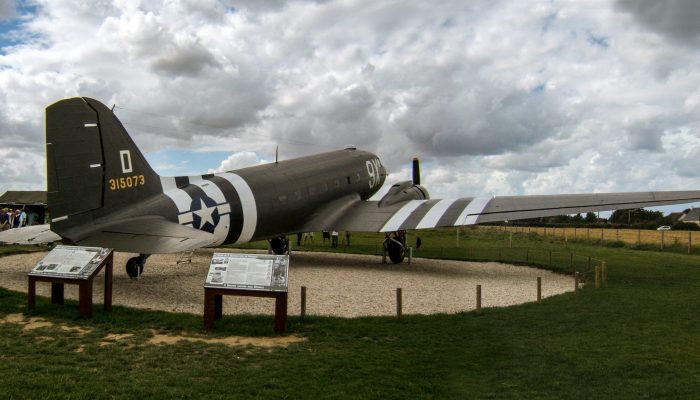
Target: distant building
pixel 691 217
pixel 32 202
pixel 676 216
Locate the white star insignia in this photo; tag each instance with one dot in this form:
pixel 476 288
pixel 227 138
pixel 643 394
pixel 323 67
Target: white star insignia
pixel 204 213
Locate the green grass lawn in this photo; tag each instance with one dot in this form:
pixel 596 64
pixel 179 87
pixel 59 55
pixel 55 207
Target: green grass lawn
pixel 637 337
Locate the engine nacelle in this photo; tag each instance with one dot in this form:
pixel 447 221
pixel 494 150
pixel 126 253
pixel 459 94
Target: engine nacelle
pixel 403 191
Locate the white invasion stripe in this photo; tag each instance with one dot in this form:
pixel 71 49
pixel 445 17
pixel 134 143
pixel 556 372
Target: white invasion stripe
pixel 63 218
pixel 221 230
pixel 209 188
pixel 95 165
pixel 394 223
pixel 250 209
pixel 433 216
pixel 180 197
pixel 471 212
pixel 89 125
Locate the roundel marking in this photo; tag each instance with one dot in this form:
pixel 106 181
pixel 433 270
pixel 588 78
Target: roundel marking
pixel 205 214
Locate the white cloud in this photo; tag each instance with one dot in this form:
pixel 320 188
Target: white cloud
pixel 503 98
pixel 237 161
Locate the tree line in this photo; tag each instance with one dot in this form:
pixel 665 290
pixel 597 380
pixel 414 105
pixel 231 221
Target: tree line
pixel 636 218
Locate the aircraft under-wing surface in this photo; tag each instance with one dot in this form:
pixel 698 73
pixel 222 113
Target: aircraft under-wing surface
pixel 102 192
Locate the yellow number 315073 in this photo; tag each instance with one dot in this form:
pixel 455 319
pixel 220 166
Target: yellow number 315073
pixel 127 182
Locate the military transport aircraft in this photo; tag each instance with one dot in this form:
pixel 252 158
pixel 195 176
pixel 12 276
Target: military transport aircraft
pixel 102 192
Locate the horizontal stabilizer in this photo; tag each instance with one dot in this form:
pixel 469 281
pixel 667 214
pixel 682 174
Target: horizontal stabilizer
pixel 148 235
pixel 33 234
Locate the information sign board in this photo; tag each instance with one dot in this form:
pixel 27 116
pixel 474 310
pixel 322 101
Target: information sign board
pixel 71 262
pixel 265 272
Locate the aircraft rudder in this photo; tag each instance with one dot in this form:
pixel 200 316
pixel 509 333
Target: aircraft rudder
pixel 92 162
pixel 127 174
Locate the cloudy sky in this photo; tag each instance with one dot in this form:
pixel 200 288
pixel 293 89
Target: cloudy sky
pixel 516 97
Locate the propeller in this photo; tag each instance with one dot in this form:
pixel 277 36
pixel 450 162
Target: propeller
pixel 416 171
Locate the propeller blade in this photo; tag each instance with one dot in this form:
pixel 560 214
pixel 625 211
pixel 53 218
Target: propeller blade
pixel 416 171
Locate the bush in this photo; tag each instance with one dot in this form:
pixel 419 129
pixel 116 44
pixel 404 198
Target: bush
pixel 685 226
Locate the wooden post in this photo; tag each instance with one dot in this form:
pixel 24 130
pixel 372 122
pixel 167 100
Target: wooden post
pixel 690 241
pixel 539 289
pixel 601 235
pixel 281 301
pixel 303 302
pixel 478 299
pixel 510 244
pixel 399 304
pixel 57 293
pixel 604 272
pixel 218 306
pixel 588 233
pixel 109 274
pixel 617 234
pixel 208 309
pixel 597 276
pixel 576 279
pixel 572 261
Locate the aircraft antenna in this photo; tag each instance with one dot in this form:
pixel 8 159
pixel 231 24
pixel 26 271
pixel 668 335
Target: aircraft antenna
pixel 277 148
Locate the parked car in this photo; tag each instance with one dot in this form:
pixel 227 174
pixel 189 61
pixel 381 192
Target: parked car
pixel 664 228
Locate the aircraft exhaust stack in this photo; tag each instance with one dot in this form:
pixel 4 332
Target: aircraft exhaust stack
pixel 416 171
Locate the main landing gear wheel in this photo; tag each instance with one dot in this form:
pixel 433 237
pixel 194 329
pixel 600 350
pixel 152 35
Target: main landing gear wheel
pixel 396 251
pixel 134 267
pixel 279 245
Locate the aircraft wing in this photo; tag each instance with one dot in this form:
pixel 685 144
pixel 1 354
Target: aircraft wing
pixel 433 213
pixel 33 234
pixel 148 235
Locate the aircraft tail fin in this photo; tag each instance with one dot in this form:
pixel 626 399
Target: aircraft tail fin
pixel 93 166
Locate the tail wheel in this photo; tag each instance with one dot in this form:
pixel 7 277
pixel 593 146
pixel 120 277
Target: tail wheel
pixel 134 267
pixel 396 251
pixel 279 245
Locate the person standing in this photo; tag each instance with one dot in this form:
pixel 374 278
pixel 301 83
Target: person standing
pixel 334 241
pixel 33 218
pixel 22 218
pixel 4 220
pixel 15 219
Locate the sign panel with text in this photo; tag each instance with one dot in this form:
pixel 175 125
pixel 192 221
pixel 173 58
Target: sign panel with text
pixel 266 272
pixel 71 262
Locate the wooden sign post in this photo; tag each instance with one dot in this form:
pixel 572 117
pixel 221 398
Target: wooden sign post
pixel 73 265
pixel 255 275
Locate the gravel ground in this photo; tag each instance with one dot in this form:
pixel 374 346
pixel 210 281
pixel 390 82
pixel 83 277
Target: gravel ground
pixel 337 284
